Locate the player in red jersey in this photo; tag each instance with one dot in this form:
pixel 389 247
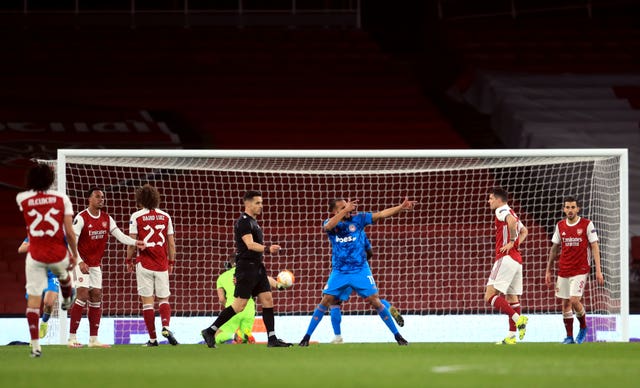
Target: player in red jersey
pixel 576 239
pixel 92 227
pixel 506 275
pixel 48 216
pixel 155 263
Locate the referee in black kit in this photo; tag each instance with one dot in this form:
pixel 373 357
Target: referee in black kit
pixel 251 275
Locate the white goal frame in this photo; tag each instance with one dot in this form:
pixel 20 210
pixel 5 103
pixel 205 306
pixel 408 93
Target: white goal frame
pixel 622 154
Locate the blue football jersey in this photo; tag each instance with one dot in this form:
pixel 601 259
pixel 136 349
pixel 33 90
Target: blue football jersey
pixel 348 239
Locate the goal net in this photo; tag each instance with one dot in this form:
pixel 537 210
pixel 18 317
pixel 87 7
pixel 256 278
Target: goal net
pixel 434 260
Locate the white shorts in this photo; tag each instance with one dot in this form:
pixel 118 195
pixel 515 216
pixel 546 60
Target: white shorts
pixel 506 276
pixel 93 279
pixel 36 273
pixel 573 286
pixel 152 283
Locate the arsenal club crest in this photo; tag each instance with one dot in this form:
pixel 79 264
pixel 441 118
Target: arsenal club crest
pixel 104 224
pixel 579 231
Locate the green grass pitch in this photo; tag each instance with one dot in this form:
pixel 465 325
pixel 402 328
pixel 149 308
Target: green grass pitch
pixel 326 366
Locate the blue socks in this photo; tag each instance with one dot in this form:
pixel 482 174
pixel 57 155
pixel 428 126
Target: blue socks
pixel 383 312
pixel 318 313
pixel 336 318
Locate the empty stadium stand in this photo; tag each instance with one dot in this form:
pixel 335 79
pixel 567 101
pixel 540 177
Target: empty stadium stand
pixel 555 85
pixel 269 88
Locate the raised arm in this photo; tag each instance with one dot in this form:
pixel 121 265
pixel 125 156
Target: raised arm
pixel 123 238
pixel 392 211
pixel 333 221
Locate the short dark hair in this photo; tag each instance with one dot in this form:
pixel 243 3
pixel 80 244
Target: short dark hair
pixel 40 177
pixel 228 264
pixel 92 189
pixel 251 194
pixel 148 196
pixel 333 203
pixel 571 199
pixel 499 192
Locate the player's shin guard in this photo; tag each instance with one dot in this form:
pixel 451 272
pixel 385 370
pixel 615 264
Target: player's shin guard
pixel 94 313
pixel 500 303
pixel 582 318
pixel 223 318
pixel 336 318
pixel 384 314
pixel 318 313
pixel 269 321
pixel 567 319
pixel 165 313
pixel 149 320
pixel 512 323
pixel 65 287
pixel 76 315
pixel 33 318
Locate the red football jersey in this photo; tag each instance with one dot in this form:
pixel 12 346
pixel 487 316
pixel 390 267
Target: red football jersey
pixel 152 227
pixel 93 234
pixel 575 244
pixel 44 213
pixel 502 233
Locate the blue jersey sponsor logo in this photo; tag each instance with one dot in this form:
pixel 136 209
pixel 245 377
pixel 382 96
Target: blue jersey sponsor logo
pixel 348 243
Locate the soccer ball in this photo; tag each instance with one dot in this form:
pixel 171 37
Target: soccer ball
pixel 285 279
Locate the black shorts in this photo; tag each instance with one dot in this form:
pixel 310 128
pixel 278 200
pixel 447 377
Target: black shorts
pixel 251 279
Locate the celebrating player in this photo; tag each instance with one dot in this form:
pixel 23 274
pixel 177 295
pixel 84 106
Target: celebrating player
pixel 576 239
pixel 92 227
pixel 48 216
pixel 50 293
pixel 335 310
pixel 251 274
pixel 154 264
pixel 349 266
pixel 506 274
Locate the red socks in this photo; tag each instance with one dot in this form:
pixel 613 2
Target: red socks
pixel 165 313
pixel 149 320
pixel 95 313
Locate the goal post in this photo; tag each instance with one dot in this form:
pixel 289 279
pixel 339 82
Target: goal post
pixel 433 261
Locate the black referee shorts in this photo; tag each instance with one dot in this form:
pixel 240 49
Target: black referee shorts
pixel 251 279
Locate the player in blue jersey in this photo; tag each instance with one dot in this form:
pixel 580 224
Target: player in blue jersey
pixel 336 313
pixel 349 266
pixel 50 294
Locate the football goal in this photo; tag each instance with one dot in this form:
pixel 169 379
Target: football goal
pixel 434 260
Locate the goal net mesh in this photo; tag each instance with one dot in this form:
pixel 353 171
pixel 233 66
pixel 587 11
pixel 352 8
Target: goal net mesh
pixel 432 260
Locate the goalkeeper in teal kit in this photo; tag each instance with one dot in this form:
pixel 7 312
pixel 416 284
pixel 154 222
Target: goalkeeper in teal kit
pixel 349 266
